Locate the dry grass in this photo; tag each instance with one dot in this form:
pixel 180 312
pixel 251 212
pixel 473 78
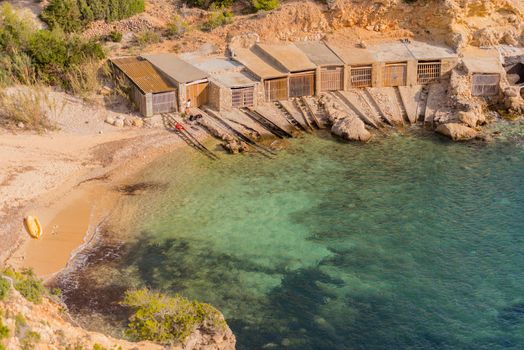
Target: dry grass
pixel 26 105
pixel 83 80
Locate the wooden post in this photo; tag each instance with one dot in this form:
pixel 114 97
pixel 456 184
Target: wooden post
pixel 347 78
pixel 149 105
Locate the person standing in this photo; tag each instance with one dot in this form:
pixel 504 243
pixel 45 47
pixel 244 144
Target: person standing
pixel 188 107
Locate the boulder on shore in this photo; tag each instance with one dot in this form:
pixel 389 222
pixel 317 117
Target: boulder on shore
pixel 471 118
pixel 456 131
pixel 351 128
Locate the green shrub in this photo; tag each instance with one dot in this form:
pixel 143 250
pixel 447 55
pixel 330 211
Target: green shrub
pixel 4 331
pixel 147 37
pixel 64 14
pixel 116 36
pixel 206 4
pixel 165 319
pixel 29 340
pixel 27 284
pixel 5 286
pixel 74 15
pixel 99 347
pixel 265 5
pixel 218 18
pixel 176 27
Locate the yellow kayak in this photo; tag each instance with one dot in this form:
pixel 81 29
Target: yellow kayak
pixel 33 226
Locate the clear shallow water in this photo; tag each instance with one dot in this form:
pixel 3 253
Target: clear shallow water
pixel 405 243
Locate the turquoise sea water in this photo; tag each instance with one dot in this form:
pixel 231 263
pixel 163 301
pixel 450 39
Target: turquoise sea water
pixel 405 243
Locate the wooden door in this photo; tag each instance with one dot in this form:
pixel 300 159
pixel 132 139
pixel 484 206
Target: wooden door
pixel 198 94
pixel 361 76
pixel 302 84
pixel 332 79
pixel 276 89
pixel 242 97
pixel 395 74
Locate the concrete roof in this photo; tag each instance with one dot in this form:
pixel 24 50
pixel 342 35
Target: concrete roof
pixel 319 53
pixel 234 79
pixel 394 51
pixel 257 65
pixel 289 56
pixel 176 68
pixel 482 60
pixel 352 55
pixel 425 51
pixel 143 74
pixel 216 64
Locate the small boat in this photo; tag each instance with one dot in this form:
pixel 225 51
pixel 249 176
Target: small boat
pixel 33 226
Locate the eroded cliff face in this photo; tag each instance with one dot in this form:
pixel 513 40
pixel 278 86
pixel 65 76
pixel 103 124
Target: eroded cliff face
pixel 457 22
pixel 46 326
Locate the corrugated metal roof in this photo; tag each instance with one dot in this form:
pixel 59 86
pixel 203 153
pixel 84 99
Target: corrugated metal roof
pixel 289 56
pixel 176 68
pixel 143 75
pixel 319 53
pixel 257 65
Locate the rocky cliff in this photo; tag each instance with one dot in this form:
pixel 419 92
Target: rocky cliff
pixel 47 326
pixel 458 23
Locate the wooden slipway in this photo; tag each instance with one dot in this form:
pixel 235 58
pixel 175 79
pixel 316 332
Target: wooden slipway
pixel 411 97
pixel 436 94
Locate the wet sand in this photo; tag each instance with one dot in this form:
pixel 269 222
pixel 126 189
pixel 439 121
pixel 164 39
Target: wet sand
pixel 67 226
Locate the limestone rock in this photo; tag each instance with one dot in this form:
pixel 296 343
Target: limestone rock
pixel 515 104
pixel 138 122
pixel 471 118
pixel 351 128
pixel 119 123
pixel 235 146
pixel 456 131
pixel 110 120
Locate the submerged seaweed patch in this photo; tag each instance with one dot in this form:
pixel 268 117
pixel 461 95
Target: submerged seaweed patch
pixel 141 188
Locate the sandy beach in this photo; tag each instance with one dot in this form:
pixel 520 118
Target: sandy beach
pixel 67 178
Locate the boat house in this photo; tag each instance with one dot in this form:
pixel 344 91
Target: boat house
pixel 192 83
pixel 230 85
pixel 485 69
pixel 391 64
pixel 302 72
pixel 151 91
pixel 272 77
pixel 330 72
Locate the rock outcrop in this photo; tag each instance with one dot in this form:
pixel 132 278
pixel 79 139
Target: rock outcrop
pixel 456 131
pixel 345 125
pixel 352 129
pixel 46 326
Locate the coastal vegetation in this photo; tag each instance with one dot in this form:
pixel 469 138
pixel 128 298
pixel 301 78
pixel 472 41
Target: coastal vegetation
pixel 265 5
pixel 26 282
pixel 4 288
pixel 30 55
pixel 4 332
pixel 257 5
pixel 167 320
pixel 217 18
pixel 25 107
pixel 74 15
